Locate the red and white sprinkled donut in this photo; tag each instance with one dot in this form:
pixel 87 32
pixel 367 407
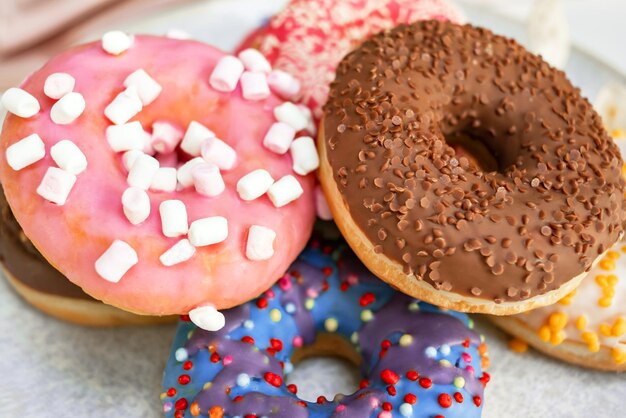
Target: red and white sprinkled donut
pixel 218 182
pixel 310 37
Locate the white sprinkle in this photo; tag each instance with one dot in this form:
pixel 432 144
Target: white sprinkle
pixel 291 114
pixel 288 367
pixel 248 324
pixel 178 253
pixel 173 218
pixel 129 157
pixel 136 205
pixel 254 184
pixel 185 171
pixel 25 152
pixel 129 136
pixel 147 87
pixel 164 180
pixel 68 108
pixel 243 380
pixel 304 155
pixel 56 185
pixel 218 152
pixel 194 137
pixel 279 137
pixel 444 349
pixel 406 410
pixel 115 262
pixel 253 60
pixel 207 179
pixel 226 74
pixel 430 352
pixel 115 42
pixel 321 205
pixel 285 191
pixel 254 86
pixel 124 107
pixel 181 354
pixel 260 244
pixel 284 84
pixel 208 318
pixel 180 34
pixel 290 308
pixel 142 171
pixel 165 137
pixel 68 156
pixel 58 85
pixel 20 103
pixel 208 231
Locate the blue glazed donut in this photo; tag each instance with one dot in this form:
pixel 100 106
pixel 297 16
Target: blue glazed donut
pixel 417 360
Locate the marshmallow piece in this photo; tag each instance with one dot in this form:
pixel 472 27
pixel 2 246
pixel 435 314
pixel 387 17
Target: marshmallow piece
pixel 142 171
pixel 218 152
pixel 115 262
pixel 260 244
pixel 58 85
pixel 173 218
pixel 165 137
pixel 208 318
pixel 180 34
pixel 184 173
pixel 129 157
pixel 226 74
pixel 279 138
pixel 136 205
pixel 178 253
pixel 208 231
pixel 285 191
pixel 321 205
pixel 115 42
pixel 68 157
pixel 20 103
pixel 68 108
pixel 164 180
pixel 124 107
pixel 194 137
pixel 254 86
pixel 284 84
pixel 290 114
pixel 311 128
pixel 147 144
pixel 129 136
pixel 254 184
pixel 25 152
pixel 255 61
pixel 208 179
pixel 304 155
pixel 147 87
pixel 56 185
pixel 548 32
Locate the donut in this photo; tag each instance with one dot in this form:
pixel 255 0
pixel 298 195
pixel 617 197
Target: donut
pixel 416 360
pixel 310 37
pixel 212 208
pixel 433 223
pixel 588 326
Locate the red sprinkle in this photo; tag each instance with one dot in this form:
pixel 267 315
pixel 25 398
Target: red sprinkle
pixel 238 398
pixel 364 383
pixel 292 388
pixel 261 303
pixel 181 404
pixel 485 378
pixel 247 339
pixel 391 390
pixel 185 318
pixel 458 396
pixel 387 406
pixel 410 398
pixel 367 299
pixel 171 392
pixel 445 400
pixel 301 403
pixel 321 399
pixel 276 344
pixel 439 416
pixel 466 343
pixel 184 379
pixel 250 416
pixel 477 400
pixel 215 358
pixel 426 383
pixel 389 377
pixel 327 271
pixel 325 286
pixel 327 249
pixel 179 414
pixel 344 286
pixel 273 379
pixel 412 375
pixel 187 365
pixel 385 344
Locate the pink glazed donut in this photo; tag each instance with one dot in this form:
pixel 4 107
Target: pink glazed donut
pixel 207 222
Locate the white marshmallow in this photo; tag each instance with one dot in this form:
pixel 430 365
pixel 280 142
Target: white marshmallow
pixel 129 157
pixel 68 156
pixel 147 144
pixel 25 152
pixel 56 185
pixel 254 184
pixel 20 103
pixel 207 179
pixel 260 244
pixel 165 137
pixel 254 86
pixel 279 137
pixel 184 173
pixel 208 231
pixel 178 253
pixel 115 42
pixel 173 218
pixel 147 87
pixel 180 34
pixel 321 205
pixel 311 128
pixel 290 114
pixel 284 84
pixel 115 262
pixel 124 107
pixel 226 74
pixel 68 108
pixel 194 137
pixel 285 191
pixel 129 136
pixel 142 171
pixel 58 85
pixel 136 205
pixel 218 152
pixel 208 318
pixel 255 61
pixel 164 180
pixel 304 155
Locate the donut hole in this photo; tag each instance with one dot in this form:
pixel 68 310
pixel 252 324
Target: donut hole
pixel 469 145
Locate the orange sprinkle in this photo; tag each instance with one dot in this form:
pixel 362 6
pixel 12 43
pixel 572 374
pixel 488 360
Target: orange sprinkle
pixel 581 322
pixel 484 362
pixel 618 355
pixel 624 247
pixel 618 133
pixel 557 338
pixel 607 264
pixel 605 329
pixel 482 349
pixel 567 299
pixel 619 327
pixel 544 333
pixel 216 412
pixel 613 255
pixel 557 321
pixel 194 409
pixel 518 345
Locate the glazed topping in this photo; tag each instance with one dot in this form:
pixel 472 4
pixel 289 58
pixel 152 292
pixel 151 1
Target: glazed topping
pixel 554 205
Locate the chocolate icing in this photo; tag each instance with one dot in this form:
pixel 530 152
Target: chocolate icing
pixel 554 205
pixel 20 257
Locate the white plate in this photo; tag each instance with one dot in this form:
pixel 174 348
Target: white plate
pixel 53 369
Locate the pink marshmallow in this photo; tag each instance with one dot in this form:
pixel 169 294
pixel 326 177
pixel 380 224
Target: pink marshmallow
pixel 284 84
pixel 165 137
pixel 226 74
pixel 279 138
pixel 218 152
pixel 207 179
pixel 254 86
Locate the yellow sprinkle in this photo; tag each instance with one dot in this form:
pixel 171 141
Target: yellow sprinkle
pixel 354 337
pixel 517 345
pixel 445 363
pixel 207 385
pixel 619 327
pixel 612 279
pixel 605 330
pixel 163 395
pixel 605 302
pixel 275 315
pixel 618 355
pixel 309 304
pixel 557 321
pixel 618 133
pixel 406 340
pixel 601 280
pixel 544 333
pixel 581 322
pixel 366 315
pixel 613 255
pixel 459 382
pixel 331 324
pixel 557 338
pixel 608 265
pixel 593 347
pixel 624 247
pixel 567 300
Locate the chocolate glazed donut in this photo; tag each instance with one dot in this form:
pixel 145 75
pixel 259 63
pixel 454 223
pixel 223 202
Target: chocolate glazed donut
pixel 431 221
